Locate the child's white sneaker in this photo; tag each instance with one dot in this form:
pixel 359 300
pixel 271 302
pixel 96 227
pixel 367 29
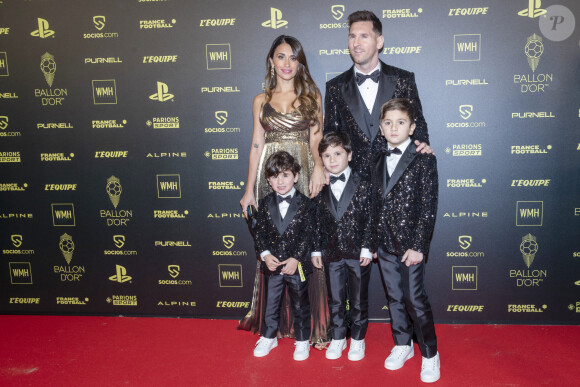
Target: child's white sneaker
pixel 334 350
pixel 264 346
pixel 302 350
pixel 399 355
pixel 430 369
pixel 356 351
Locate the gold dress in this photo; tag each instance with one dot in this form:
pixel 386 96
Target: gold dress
pixel 288 132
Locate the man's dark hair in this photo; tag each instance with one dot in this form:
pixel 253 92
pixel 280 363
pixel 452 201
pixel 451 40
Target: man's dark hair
pixel 279 162
pixel 362 16
pixel 335 139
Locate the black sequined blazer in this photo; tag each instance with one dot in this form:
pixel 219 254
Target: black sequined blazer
pixel 344 110
pixel 405 205
pixel 292 237
pixel 344 229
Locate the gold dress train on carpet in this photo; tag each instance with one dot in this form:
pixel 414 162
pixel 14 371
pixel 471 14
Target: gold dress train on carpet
pixel 288 132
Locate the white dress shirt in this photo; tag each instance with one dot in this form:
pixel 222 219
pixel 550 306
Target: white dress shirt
pixel 339 185
pixel 393 159
pixel 369 89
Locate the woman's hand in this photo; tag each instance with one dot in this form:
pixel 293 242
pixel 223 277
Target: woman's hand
pixel 248 199
pixel 317 181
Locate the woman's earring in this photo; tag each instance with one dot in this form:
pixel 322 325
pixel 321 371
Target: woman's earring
pixel 272 72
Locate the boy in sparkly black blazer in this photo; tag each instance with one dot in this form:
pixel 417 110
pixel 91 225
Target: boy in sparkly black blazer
pixel 405 194
pixel 343 216
pixel 284 235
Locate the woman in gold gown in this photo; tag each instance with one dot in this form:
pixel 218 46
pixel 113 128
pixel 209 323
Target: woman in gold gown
pixel 287 116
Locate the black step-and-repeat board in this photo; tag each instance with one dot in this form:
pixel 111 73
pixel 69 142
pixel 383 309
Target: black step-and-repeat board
pixel 125 129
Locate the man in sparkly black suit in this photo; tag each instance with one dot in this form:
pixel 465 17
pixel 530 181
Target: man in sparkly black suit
pixel 405 192
pixel 353 98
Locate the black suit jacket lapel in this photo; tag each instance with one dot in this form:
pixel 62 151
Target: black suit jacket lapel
pixel 275 213
pixel 326 192
pixel 387 83
pixel 348 193
pixel 352 98
pixel 381 175
pixel 292 209
pixel 406 158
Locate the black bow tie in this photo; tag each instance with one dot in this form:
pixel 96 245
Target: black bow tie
pixel 360 78
pixel 340 177
pixel 387 152
pixel 281 199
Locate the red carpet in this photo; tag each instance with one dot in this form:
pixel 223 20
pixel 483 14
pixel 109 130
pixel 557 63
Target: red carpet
pixel 115 351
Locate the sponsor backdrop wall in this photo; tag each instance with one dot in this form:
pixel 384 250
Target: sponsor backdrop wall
pixel 125 128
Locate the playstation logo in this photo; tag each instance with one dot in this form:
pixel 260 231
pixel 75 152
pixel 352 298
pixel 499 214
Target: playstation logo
pixel 275 21
pixel 120 275
pixel 42 31
pixel 533 9
pixel 162 94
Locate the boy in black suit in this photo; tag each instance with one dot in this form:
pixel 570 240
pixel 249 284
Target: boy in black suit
pixel 343 215
pixel 284 235
pixel 405 188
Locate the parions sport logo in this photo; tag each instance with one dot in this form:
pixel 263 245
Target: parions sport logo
pixel 464 150
pixel 163 123
pixel 222 154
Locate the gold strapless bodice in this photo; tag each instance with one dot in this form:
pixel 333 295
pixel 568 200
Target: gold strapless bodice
pixel 283 126
pixel 290 133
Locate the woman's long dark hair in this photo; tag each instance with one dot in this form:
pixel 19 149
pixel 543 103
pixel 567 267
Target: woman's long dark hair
pixel 304 86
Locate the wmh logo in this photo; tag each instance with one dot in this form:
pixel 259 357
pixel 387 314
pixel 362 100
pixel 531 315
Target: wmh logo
pixel 466 47
pixel 218 56
pixel 63 214
pixel 464 277
pixel 20 273
pixel 230 276
pixel 3 65
pixel 169 186
pixel 529 213
pixel 104 92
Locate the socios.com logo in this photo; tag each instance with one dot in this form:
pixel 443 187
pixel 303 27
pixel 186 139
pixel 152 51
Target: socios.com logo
pixel 337 11
pixel 465 111
pixel 221 117
pixel 99 22
pixel 465 241
pixel 228 241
